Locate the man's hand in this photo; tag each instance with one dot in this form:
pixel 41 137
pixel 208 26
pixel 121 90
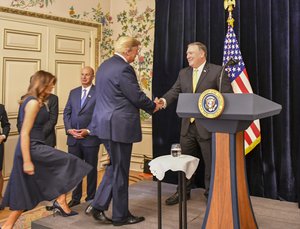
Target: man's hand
pixel 159 104
pixel 82 133
pixel 73 132
pixel 78 134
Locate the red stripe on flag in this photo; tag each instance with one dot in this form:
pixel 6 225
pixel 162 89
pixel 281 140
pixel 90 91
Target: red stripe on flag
pixel 241 85
pixel 247 138
pixel 255 129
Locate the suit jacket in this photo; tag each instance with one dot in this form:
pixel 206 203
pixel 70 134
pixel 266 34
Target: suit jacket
pixel 77 117
pixel 119 98
pixel 5 125
pixel 49 127
pixel 209 79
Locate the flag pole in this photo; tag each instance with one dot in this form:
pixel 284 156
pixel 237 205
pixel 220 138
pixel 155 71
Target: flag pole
pixel 229 6
pixel 239 76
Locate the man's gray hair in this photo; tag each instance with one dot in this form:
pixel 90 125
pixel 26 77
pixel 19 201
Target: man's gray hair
pixel 201 46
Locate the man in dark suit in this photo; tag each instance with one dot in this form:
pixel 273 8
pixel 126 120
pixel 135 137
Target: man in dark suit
pixel 5 126
pixel 77 116
pixel 116 120
pixel 194 138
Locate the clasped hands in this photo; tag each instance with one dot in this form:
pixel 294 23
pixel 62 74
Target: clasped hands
pixel 78 134
pixel 159 104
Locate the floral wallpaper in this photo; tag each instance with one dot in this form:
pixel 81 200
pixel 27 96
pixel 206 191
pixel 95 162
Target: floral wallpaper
pixel 118 18
pixel 23 4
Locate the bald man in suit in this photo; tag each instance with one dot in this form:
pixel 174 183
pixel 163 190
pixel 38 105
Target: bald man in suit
pixel 77 116
pixel 195 140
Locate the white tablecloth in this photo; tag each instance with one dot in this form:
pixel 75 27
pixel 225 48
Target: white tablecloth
pixel 162 164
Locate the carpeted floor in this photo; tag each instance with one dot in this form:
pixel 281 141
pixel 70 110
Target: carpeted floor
pixel 270 214
pixel 25 220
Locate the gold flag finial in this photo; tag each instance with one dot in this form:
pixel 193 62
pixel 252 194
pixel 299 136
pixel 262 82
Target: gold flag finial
pixel 229 4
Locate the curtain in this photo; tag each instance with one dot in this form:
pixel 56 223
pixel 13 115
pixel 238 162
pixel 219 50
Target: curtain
pixel 269 34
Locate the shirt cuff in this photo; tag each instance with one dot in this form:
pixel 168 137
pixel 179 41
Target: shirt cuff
pixel 165 103
pixel 3 135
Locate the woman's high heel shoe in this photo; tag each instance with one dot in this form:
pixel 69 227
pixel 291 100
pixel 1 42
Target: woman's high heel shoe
pixel 58 209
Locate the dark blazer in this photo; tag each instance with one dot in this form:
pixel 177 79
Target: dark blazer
pixel 5 125
pixel 49 127
pixel 76 117
pixel 209 79
pixel 119 98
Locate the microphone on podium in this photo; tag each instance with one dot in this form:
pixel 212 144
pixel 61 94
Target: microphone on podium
pixel 230 62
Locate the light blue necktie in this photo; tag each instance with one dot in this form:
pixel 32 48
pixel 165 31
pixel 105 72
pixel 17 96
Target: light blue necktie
pixel 83 97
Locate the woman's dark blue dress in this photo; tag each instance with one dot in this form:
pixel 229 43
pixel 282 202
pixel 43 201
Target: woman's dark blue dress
pixel 56 172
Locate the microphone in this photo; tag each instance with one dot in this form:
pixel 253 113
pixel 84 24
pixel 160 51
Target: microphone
pixel 230 62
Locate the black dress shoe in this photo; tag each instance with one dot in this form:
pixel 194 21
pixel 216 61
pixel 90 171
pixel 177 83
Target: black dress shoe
pixel 89 210
pixel 100 216
pixel 174 199
pixel 130 220
pixel 73 203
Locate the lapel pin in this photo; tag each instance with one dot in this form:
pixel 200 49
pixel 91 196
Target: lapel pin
pixel 89 96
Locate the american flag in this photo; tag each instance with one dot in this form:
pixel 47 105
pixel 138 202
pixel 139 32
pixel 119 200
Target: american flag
pixel 240 83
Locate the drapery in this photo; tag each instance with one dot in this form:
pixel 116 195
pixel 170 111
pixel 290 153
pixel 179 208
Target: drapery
pixel 269 36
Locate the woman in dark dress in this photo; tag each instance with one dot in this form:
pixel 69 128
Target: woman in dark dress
pixel 40 172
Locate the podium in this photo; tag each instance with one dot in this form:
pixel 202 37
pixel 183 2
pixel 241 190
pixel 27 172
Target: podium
pixel 229 204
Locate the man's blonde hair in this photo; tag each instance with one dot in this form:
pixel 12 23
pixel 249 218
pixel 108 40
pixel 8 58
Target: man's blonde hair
pixel 124 44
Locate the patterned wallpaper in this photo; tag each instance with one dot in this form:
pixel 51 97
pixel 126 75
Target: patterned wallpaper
pixel 118 18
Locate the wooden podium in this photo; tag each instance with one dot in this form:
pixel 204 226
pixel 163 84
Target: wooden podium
pixel 229 204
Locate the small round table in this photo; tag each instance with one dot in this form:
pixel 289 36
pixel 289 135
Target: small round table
pixel 185 165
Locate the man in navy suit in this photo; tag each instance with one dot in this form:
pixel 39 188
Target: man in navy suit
pixel 5 126
pixel 116 120
pixel 77 116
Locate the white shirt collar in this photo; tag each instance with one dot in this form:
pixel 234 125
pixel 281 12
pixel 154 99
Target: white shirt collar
pixel 200 68
pixel 87 89
pixel 120 55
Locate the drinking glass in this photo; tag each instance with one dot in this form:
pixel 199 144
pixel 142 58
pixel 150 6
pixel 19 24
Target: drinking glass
pixel 176 150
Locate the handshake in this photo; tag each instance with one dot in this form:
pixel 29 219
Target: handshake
pixel 160 104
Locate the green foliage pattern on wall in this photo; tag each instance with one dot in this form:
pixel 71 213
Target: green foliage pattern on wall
pixel 31 3
pixel 97 15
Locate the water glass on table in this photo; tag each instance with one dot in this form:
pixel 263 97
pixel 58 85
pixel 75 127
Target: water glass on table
pixel 176 150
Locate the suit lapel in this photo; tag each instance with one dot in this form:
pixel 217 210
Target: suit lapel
pixel 203 75
pixel 190 81
pixel 77 98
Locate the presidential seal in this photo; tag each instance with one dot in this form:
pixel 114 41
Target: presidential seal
pixel 211 103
